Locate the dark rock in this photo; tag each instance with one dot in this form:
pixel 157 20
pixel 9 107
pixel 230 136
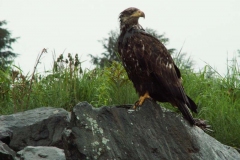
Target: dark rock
pixel 6 153
pixel 106 133
pixel 148 133
pixel 37 127
pixel 41 153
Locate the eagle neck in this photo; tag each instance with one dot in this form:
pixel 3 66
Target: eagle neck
pixel 126 27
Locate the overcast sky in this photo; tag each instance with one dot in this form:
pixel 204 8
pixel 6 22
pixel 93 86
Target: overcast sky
pixel 209 29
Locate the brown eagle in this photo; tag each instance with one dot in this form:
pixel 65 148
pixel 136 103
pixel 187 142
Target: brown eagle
pixel 149 65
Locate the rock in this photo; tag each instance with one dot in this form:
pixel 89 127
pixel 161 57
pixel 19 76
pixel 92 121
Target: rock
pixel 106 133
pixel 148 133
pixel 6 153
pixel 37 127
pixel 41 153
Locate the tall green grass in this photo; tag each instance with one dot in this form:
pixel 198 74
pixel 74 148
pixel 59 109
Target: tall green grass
pixel 218 97
pixel 65 86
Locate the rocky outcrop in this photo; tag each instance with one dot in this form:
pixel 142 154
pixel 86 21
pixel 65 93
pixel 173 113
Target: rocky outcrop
pixel 37 127
pixel 106 133
pixel 148 133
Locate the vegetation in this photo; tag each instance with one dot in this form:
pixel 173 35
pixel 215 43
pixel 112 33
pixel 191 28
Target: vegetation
pixel 64 87
pixel 6 55
pixel 218 97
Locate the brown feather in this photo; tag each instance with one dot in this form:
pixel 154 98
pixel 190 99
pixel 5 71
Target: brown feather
pixel 151 68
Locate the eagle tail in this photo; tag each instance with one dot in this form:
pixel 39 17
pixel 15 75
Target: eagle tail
pixel 186 113
pixel 192 105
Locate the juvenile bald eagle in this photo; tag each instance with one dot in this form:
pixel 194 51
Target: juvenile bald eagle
pixel 149 65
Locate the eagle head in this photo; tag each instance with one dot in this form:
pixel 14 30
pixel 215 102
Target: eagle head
pixel 130 16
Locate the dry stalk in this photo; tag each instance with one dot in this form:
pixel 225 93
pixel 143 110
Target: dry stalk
pixel 32 78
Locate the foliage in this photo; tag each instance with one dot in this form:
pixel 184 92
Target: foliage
pixel 182 60
pixel 111 52
pixel 65 86
pixel 218 97
pixel 6 55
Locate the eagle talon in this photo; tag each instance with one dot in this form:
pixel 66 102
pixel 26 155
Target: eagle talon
pixel 141 100
pixel 203 125
pixel 136 105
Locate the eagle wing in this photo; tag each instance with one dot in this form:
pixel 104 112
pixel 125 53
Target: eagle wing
pixel 153 58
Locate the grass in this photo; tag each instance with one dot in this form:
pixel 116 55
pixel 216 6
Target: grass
pixel 219 103
pixel 67 84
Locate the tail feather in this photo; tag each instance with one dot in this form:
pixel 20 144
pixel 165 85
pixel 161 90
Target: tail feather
pixel 192 105
pixel 186 113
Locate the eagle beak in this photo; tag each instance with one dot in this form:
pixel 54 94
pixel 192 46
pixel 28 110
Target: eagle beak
pixel 142 14
pixel 138 13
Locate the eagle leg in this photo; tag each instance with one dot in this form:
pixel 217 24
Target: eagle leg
pixel 141 100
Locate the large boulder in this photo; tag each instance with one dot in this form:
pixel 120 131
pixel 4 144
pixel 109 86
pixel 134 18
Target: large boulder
pixel 148 133
pixel 37 127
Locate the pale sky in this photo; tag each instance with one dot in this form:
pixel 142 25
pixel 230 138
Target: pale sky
pixel 209 29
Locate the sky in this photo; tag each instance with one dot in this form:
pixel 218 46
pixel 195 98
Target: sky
pixel 208 30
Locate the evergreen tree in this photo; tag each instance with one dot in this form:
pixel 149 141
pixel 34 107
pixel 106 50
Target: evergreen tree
pixel 6 55
pixel 110 54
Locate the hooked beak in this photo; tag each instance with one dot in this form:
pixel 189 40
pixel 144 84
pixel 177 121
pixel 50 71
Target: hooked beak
pixel 138 13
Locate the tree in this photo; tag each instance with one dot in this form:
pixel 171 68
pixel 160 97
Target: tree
pixel 111 54
pixel 6 55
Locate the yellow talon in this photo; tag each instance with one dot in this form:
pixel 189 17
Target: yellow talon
pixel 141 100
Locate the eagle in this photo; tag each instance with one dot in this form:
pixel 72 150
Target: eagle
pixel 150 67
